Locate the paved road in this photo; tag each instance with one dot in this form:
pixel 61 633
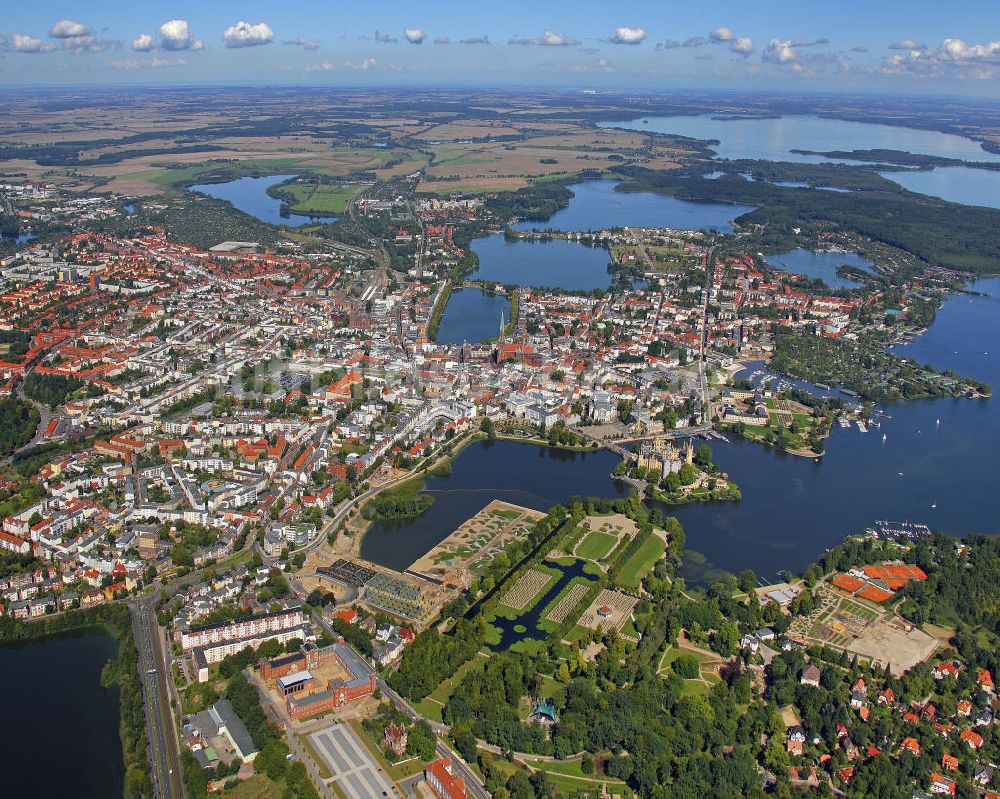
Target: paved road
pixel 153 671
pixel 472 783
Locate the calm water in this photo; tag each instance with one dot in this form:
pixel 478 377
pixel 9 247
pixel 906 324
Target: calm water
pixel 250 196
pixel 556 263
pixel 525 474
pixel 938 465
pixel 529 620
pixel 472 315
pixel 821 264
pixel 958 184
pixel 597 206
pixel 63 726
pixel 773 139
pixel 794 508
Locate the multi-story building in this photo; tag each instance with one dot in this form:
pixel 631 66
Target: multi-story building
pixel 253 626
pixel 441 779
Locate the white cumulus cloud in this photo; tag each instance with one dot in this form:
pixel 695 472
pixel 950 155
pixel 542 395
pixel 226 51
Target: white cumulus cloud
pixel 23 43
pixel 742 45
pixel 625 35
pixel 414 35
pixel 143 43
pixel 67 29
pixel 780 52
pixel 176 35
pixel 243 34
pixel 721 35
pixel 958 50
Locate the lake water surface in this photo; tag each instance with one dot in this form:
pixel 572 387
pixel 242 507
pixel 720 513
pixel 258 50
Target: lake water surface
pixel 958 184
pixel 250 196
pixel 597 206
pixel 556 263
pixel 525 474
pixel 62 725
pixel 822 264
pixel 472 315
pixel 773 139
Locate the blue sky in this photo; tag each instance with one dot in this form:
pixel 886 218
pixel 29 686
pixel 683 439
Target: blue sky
pixel 876 45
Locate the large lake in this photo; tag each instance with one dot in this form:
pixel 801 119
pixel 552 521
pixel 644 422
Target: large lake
pixel 822 264
pixel 957 184
pixel 62 725
pixel 774 139
pixel 472 315
pixel 250 196
pixel 597 206
pixel 938 465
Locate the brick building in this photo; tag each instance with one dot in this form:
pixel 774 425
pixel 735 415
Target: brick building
pixel 442 781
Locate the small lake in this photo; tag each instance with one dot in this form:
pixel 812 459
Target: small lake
pixel 773 139
pixel 472 315
pixel 597 206
pixel 250 196
pixel 66 742
pixel 821 264
pixel 555 263
pixel 525 474
pixel 957 184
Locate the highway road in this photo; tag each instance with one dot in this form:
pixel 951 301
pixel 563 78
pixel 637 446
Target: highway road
pixel 154 671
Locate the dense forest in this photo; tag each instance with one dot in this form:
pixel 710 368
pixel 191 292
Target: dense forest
pixel 51 390
pixel 939 232
pixel 861 366
pixel 404 501
pixel 18 421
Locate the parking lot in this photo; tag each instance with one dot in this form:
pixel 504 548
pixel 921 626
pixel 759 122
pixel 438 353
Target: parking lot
pixel 354 770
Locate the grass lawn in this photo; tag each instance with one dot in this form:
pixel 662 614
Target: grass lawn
pixel 639 565
pixel 596 545
pixel 673 653
pixel 321 198
pixel 573 786
pixel 257 787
